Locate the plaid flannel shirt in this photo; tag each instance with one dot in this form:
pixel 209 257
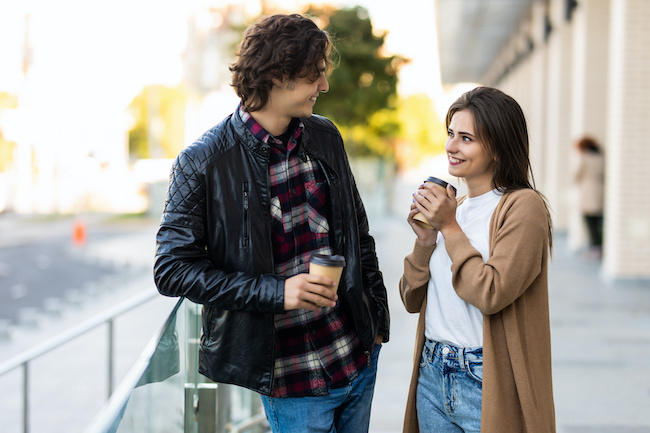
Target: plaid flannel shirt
pixel 314 350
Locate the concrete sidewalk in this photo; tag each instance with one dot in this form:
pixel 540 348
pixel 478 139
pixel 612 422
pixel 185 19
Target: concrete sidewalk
pixel 600 331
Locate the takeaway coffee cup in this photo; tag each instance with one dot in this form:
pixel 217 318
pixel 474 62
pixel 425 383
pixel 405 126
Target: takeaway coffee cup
pixel 329 266
pixel 419 218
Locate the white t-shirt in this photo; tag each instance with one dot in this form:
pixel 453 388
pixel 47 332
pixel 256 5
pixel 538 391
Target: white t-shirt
pixel 449 319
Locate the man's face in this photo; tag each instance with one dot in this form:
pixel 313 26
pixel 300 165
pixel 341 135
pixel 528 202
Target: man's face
pixel 296 98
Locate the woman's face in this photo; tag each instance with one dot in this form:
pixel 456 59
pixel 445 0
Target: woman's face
pixel 468 157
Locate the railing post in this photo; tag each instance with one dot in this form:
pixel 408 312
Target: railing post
pixel 110 357
pixel 191 406
pixel 207 409
pixel 223 407
pixel 26 397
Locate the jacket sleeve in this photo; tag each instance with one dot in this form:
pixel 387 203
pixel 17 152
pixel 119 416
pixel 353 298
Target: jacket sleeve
pixel 415 280
pixel 182 266
pixel 518 244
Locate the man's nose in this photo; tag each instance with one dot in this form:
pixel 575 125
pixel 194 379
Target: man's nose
pixel 324 85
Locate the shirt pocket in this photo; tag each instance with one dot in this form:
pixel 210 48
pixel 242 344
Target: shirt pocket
pixel 316 198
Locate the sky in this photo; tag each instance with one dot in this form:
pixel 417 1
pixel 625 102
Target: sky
pixel 93 57
pixel 101 45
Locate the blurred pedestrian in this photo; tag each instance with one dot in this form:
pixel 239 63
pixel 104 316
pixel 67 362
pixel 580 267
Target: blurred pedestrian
pixel 589 176
pixel 248 203
pixel 479 281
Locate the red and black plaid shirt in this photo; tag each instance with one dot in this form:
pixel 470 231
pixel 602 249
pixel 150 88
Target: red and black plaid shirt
pixel 313 349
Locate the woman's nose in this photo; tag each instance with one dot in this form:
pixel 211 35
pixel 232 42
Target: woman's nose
pixel 450 145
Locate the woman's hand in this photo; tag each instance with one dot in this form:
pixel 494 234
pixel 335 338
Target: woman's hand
pixel 437 207
pixel 426 237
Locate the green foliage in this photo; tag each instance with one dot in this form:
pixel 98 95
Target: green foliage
pixel 7 101
pixel 422 127
pixel 363 87
pixel 158 129
pixel 376 137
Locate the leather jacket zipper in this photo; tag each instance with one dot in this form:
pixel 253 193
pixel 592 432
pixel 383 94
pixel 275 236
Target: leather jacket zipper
pixel 245 212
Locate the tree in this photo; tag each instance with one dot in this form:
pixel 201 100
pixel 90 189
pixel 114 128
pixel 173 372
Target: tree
pixel 158 114
pixel 7 102
pixel 423 132
pixel 363 88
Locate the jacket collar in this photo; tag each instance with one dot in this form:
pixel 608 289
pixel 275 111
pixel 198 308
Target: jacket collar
pixel 256 144
pixel 246 137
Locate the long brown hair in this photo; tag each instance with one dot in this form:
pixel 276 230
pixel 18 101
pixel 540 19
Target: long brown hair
pixel 283 47
pixel 500 124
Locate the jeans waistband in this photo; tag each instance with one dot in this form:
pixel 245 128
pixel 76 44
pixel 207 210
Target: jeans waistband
pixel 451 352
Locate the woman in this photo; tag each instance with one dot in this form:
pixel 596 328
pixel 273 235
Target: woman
pixel 590 178
pixel 479 281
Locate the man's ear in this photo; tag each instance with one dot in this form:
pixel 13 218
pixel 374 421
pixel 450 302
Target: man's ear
pixel 277 82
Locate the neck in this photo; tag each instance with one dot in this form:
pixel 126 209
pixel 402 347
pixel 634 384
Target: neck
pixel 271 122
pixel 474 189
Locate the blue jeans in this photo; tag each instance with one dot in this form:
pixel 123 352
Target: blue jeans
pixel 449 389
pixel 344 410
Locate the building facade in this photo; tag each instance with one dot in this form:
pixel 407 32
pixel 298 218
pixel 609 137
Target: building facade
pixel 582 67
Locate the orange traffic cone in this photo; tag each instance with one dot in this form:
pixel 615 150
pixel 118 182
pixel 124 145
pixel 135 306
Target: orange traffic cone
pixel 79 233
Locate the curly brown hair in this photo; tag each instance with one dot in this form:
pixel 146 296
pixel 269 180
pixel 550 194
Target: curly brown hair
pixel 282 47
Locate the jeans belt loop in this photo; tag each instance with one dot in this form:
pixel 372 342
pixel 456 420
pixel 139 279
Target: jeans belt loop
pixel 461 358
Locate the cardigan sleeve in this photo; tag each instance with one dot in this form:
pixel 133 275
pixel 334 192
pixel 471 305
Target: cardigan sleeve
pixel 415 280
pixel 518 243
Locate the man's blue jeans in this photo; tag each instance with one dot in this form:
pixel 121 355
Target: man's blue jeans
pixel 449 390
pixel 344 410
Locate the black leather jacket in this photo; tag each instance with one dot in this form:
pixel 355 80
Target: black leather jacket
pixel 214 247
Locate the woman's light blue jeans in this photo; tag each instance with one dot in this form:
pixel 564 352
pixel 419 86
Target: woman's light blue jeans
pixel 344 410
pixel 449 389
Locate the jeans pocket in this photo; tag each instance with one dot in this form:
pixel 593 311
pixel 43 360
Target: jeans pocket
pixel 475 370
pixel 424 358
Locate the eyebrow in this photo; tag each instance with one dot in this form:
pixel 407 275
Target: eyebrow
pixel 461 132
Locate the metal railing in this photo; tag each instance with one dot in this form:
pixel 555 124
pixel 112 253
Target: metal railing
pixel 24 360
pixel 162 391
pixel 166 384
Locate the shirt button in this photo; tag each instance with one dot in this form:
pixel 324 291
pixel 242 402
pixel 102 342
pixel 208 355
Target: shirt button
pixel 445 351
pixel 313 332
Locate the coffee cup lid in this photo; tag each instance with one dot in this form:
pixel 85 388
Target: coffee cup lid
pixel 440 182
pixel 325 260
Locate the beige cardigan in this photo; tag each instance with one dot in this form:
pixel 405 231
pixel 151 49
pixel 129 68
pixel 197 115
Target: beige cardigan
pixel 511 290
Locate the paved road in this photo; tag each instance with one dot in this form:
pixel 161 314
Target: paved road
pixel 43 272
pixel 68 385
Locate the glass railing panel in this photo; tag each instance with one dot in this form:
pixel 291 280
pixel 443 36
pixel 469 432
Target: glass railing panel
pixel 152 396
pixel 156 404
pixel 162 391
pixel 11 403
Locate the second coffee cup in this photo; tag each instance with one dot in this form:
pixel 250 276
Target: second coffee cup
pixel 419 218
pixel 329 266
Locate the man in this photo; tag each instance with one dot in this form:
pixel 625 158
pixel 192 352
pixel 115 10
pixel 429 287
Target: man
pixel 248 203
